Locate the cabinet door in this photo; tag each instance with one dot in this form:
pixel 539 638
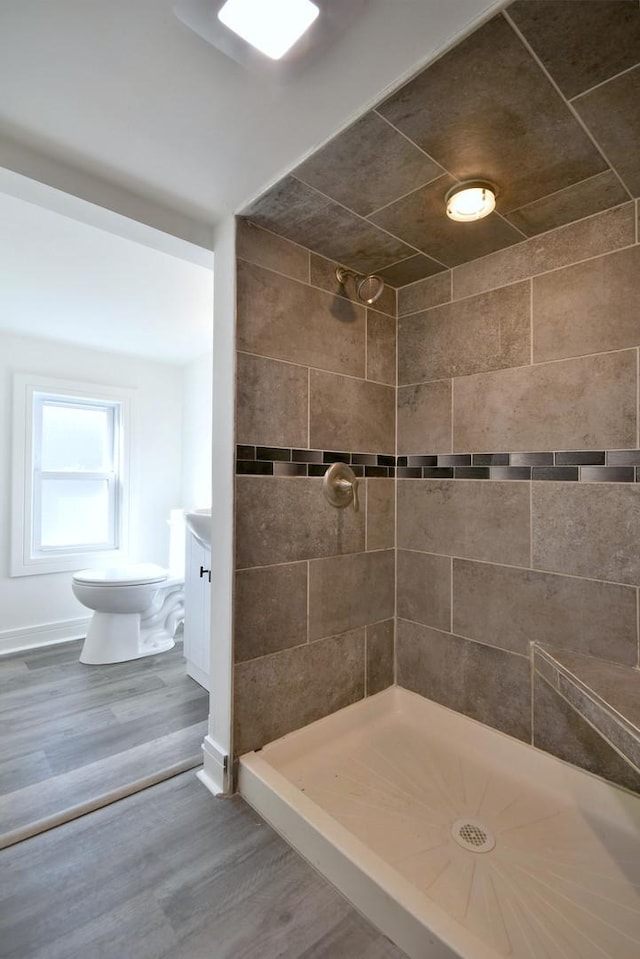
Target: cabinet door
pixel 197 607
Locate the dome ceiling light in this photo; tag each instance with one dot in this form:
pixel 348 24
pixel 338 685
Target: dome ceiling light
pixel 471 200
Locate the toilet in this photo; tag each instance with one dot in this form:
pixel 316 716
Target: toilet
pixel 137 610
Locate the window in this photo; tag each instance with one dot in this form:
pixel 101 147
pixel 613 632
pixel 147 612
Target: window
pixel 70 475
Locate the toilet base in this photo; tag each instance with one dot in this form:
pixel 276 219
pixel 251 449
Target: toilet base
pixel 117 638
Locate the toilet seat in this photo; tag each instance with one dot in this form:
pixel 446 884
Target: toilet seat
pixel 137 574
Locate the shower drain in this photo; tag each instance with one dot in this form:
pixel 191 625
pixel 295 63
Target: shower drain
pixel 472 835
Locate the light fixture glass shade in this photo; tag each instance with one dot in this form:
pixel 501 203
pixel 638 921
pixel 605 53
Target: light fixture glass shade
pixel 271 27
pixel 471 200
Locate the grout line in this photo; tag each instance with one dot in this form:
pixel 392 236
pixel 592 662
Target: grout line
pixel 531 525
pixel 364 219
pixel 638 624
pixel 395 510
pixel 477 642
pixel 524 366
pixel 452 424
pixel 528 276
pixel 637 397
pixel 366 513
pixel 312 642
pixel 554 269
pixel 317 369
pixel 602 83
pixel 366 661
pixel 451 596
pixel 308 407
pixel 308 565
pixel 404 196
pixel 567 102
pixel 525 569
pixel 366 344
pixel 531 319
pixel 599 732
pixel 556 193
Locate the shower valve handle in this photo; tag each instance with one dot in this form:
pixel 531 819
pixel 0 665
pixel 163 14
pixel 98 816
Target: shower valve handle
pixel 350 486
pixel 340 486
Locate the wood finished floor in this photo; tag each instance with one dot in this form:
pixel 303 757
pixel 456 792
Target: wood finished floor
pixel 72 735
pixel 172 873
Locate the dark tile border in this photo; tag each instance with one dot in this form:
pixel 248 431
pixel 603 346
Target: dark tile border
pixel 575 466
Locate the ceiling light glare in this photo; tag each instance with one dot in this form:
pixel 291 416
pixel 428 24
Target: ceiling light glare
pixel 272 27
pixel 471 200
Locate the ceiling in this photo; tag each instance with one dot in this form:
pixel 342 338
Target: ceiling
pixel 124 105
pixel 73 282
pixel 543 100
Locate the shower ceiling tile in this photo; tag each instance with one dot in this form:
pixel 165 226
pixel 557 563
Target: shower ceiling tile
pixel 414 268
pixel 368 166
pixel 598 193
pixel 612 113
pixel 298 212
pixel 420 219
pixel 581 42
pixel 486 109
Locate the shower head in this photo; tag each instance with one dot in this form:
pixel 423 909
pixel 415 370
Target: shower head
pixel 369 288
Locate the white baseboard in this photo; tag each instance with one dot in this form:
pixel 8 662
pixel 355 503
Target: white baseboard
pixel 215 774
pixel 30 637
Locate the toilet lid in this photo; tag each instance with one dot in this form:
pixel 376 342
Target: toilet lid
pixel 138 574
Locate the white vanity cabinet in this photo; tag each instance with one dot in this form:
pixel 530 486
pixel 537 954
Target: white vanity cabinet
pixel 197 610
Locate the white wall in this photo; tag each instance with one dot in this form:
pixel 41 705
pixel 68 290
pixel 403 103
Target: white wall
pixel 31 601
pixel 197 433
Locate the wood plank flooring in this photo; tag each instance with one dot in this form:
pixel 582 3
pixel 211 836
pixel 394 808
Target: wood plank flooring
pixel 73 737
pixel 171 873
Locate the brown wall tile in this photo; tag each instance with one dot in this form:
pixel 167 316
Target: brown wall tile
pixel 280 520
pixel 512 608
pixel 598 234
pixel 590 530
pixel 588 308
pixel 559 730
pixel 487 684
pixel 424 589
pixel 433 291
pixel 273 252
pixel 288 320
pixel 351 414
pixel 350 591
pixel 380 656
pixel 270 610
pixel 381 513
pixel 485 332
pixel 278 693
pixel 468 518
pixel 424 418
pixel 381 348
pixel 272 402
pixel 586 403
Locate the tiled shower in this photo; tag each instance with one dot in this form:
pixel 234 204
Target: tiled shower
pixel 498 451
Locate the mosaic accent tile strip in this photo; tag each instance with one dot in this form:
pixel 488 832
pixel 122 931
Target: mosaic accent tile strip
pixel 577 466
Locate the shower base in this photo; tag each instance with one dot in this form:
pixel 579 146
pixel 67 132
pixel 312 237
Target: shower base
pixel 453 839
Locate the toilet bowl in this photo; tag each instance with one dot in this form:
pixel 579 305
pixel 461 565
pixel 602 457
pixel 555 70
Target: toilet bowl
pixel 136 611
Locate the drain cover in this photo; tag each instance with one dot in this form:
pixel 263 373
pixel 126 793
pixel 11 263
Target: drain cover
pixel 472 835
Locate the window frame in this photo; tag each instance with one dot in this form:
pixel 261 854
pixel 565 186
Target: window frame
pixel 26 558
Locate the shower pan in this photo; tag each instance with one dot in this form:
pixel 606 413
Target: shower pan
pixel 454 839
